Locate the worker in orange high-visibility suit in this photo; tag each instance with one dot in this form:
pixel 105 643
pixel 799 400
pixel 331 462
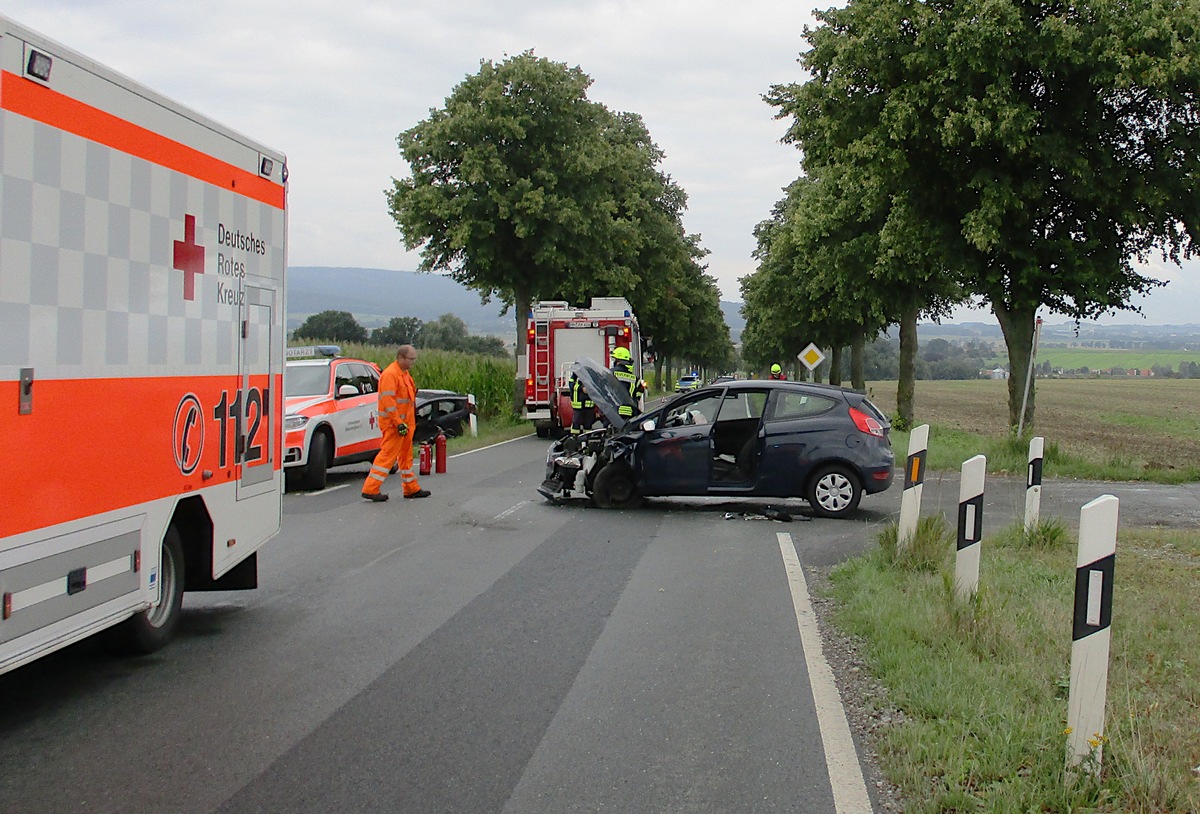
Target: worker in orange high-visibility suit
pixel 397 421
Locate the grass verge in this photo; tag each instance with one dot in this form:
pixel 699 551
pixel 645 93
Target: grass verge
pixel 983 684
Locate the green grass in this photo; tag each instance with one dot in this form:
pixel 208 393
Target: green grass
pixel 1106 358
pixel 983 685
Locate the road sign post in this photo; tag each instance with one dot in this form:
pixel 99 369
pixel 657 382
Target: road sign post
pixel 970 526
pixel 1091 632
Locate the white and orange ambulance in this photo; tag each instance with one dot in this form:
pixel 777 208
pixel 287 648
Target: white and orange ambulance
pixel 142 258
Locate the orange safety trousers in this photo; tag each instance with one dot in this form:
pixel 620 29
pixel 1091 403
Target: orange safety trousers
pixel 394 447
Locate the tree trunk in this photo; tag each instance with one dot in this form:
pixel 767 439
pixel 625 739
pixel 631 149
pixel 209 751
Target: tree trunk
pixel 907 386
pixel 1017 325
pixel 521 307
pixel 835 366
pixel 858 350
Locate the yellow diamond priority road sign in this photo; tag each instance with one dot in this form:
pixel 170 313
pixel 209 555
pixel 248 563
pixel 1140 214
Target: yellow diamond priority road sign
pixel 811 356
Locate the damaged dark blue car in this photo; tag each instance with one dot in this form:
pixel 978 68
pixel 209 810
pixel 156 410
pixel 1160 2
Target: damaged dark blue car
pixel 750 438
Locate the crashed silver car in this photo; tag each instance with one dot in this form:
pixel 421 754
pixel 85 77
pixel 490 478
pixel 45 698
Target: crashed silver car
pixel 746 438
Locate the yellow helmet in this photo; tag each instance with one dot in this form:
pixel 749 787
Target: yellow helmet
pixel 622 354
pixel 776 369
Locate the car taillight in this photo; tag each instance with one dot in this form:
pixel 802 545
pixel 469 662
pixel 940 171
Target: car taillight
pixel 865 423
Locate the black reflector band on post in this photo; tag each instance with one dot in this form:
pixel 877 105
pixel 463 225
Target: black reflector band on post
pixel 1093 597
pixel 1035 472
pixel 970 522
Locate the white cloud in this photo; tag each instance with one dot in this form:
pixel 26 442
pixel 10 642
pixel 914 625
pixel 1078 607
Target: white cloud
pixel 332 84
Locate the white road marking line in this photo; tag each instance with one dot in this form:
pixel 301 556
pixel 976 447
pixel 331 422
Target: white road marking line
pixel 509 510
pixel 845 773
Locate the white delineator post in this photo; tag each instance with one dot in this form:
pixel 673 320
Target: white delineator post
pixel 1033 483
pixel 970 526
pixel 1091 631
pixel 914 480
pixel 474 422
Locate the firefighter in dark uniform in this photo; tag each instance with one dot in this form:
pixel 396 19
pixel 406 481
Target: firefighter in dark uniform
pixel 622 368
pixel 583 409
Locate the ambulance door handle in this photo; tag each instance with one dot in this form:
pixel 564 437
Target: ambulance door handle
pixel 25 392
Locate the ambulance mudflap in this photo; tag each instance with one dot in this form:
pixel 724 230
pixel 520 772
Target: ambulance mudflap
pixel 142 258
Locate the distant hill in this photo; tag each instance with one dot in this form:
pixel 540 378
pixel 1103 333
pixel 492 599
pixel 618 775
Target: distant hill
pixel 374 296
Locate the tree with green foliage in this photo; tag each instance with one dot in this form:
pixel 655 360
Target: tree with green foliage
pixel 1033 150
pixel 524 189
pixel 398 331
pixel 338 326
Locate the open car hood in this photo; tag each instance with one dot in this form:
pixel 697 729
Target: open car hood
pixel 605 389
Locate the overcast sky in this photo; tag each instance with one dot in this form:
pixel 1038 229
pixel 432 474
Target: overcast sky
pixel 332 84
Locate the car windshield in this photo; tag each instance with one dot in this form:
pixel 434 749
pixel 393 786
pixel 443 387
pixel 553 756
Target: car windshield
pixel 306 380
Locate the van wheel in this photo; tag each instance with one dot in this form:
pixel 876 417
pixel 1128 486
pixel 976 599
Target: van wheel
pixel 317 468
pixel 542 432
pixel 151 629
pixel 615 488
pixel 833 492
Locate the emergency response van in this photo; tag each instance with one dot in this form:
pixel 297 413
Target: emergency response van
pixel 142 257
pixel 557 336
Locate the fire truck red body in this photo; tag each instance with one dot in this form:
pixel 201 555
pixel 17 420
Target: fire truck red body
pixel 556 336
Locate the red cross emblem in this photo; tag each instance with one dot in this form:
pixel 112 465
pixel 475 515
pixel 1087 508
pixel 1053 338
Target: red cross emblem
pixel 189 257
pixel 371 421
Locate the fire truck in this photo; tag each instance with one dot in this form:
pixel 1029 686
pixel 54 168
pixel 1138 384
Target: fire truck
pixel 142 257
pixel 557 335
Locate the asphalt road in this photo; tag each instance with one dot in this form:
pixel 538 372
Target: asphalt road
pixel 477 651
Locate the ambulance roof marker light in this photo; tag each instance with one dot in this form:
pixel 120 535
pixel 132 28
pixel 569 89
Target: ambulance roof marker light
pixel 39 65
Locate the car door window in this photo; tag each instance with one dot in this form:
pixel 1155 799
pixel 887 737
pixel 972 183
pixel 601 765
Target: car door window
pixel 790 405
pixel 343 374
pixel 742 404
pixel 364 379
pixel 693 411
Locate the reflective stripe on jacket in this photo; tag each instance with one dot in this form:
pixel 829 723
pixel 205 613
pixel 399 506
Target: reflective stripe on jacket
pixel 579 396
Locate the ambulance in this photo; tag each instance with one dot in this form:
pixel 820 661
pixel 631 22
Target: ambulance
pixel 557 336
pixel 142 257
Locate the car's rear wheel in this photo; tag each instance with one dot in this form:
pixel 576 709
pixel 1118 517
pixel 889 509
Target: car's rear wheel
pixel 317 469
pixel 834 491
pixel 615 488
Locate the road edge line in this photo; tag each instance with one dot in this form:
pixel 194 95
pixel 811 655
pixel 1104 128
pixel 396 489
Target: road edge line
pixel 841 759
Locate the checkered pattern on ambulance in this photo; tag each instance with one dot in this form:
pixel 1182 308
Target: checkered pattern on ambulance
pixel 89 285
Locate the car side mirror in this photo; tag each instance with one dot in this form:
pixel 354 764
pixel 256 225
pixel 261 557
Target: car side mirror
pixel 348 390
pixel 648 425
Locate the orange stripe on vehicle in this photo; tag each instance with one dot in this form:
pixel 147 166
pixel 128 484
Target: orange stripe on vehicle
pixel 124 452
pixel 42 104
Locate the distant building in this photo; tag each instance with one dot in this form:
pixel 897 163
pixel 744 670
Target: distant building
pixel 998 373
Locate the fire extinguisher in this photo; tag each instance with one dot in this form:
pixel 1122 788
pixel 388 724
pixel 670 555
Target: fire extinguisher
pixel 439 444
pixel 426 459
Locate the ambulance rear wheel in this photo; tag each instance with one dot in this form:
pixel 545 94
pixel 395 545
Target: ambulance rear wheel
pixel 317 469
pixel 151 629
